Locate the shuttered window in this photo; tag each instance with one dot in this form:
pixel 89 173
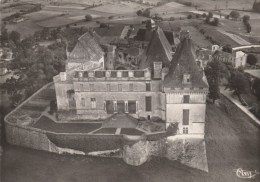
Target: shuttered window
pixel 186 115
pixel 148 103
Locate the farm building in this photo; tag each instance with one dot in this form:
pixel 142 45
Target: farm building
pixel 166 85
pixel 236 59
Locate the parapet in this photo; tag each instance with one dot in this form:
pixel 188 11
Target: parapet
pixel 118 75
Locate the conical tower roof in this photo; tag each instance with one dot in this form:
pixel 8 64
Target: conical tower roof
pixel 184 63
pixel 158 50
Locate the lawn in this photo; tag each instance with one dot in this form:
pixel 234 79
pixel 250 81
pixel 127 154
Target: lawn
pixel 46 123
pixel 106 131
pixel 131 131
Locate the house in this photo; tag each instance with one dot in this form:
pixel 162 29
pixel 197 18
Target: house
pixel 166 86
pixel 236 59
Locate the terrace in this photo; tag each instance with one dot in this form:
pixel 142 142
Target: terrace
pixel 34 114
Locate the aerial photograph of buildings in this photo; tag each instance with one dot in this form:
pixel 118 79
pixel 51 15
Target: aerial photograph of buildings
pixel 130 90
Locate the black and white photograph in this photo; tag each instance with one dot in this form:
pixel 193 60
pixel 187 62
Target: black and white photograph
pixel 130 91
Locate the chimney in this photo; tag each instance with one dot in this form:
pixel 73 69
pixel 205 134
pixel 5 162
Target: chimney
pixel 165 71
pixel 63 76
pixel 157 69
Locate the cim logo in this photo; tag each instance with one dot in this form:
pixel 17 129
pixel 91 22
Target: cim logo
pixel 245 174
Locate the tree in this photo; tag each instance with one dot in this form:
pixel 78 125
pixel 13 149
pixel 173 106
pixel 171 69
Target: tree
pixel 234 14
pixel 256 88
pixel 5 35
pixel 227 48
pixel 215 71
pixel 238 83
pixel 215 22
pixel 139 12
pixel 251 59
pixel 103 25
pixel 146 13
pixel 15 36
pixel 88 17
pixel 189 16
pixel 246 18
pixel 210 14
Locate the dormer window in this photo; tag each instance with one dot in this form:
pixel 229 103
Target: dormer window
pixel 91 74
pixel 80 74
pixel 119 74
pixel 186 79
pixel 108 73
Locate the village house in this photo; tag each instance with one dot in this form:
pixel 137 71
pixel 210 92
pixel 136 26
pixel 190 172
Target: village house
pixel 236 59
pixel 166 85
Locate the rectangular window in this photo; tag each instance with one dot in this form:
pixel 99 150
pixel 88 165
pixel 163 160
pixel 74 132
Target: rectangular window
pixel 132 107
pixel 131 86
pixel 185 130
pixel 93 103
pixel 82 102
pixel 91 87
pixel 186 99
pixel 108 87
pixel 119 87
pixel 148 86
pixel 81 86
pixel 148 103
pixel 185 118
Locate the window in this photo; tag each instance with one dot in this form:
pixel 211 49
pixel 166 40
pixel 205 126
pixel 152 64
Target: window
pixel 93 103
pixel 115 106
pixel 185 118
pixel 186 78
pixel 80 74
pixel 148 103
pixel 131 86
pixel 148 86
pixel 82 102
pixel 186 99
pixel 119 87
pixel 126 106
pixel 91 87
pixel 185 130
pixel 132 106
pixel 81 86
pixel 108 87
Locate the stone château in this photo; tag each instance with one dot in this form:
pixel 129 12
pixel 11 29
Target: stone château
pixel 167 85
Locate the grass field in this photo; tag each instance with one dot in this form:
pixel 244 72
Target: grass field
pixel 121 8
pixel 220 4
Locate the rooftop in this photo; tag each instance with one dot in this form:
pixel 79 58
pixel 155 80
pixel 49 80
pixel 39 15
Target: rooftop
pixel 183 63
pixel 86 49
pixel 159 50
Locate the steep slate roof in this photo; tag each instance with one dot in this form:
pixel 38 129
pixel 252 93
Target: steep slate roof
pixel 158 50
pixel 86 49
pixel 183 62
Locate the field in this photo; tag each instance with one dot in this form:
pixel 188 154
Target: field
pixel 121 8
pixel 220 4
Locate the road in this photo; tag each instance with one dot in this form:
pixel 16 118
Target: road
pixel 231 140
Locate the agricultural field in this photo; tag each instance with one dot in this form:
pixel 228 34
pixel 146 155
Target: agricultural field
pixel 25 28
pixel 171 8
pixel 121 8
pixel 220 4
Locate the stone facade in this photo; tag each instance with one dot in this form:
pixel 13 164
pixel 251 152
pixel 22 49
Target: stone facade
pixel 94 92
